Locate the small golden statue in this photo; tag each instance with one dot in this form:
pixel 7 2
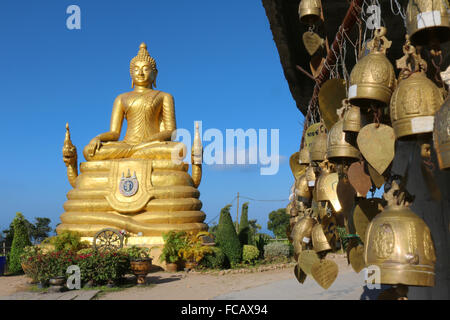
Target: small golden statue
pixel 139 184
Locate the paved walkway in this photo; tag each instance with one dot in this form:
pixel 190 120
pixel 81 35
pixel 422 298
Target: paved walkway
pixel 68 295
pixel 348 286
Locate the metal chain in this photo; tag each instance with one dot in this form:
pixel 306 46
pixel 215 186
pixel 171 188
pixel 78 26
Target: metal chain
pixel 400 11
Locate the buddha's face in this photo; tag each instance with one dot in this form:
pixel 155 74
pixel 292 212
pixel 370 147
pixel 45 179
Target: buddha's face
pixel 142 73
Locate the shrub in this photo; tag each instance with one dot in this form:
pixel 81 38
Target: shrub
pixel 52 264
pixel 20 241
pixel 28 259
pixel 103 267
pixel 194 250
pixel 250 254
pixel 96 266
pixel 173 243
pixel 214 260
pixel 244 227
pixel 227 238
pixel 67 241
pixel 276 251
pixel 137 253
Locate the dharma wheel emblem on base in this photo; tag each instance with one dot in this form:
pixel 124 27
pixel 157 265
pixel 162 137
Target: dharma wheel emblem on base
pixel 128 185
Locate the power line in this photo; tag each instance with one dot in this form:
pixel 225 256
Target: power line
pixel 265 200
pixel 252 199
pixel 230 203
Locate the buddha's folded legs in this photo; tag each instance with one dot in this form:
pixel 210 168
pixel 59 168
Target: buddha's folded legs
pixel 110 150
pixel 160 150
pixel 149 150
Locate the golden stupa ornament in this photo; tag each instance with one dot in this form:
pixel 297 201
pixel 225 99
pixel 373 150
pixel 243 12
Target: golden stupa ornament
pixel 400 244
pixel 309 11
pixel 372 80
pixel 427 22
pixel 441 135
pixel 416 98
pixel 338 147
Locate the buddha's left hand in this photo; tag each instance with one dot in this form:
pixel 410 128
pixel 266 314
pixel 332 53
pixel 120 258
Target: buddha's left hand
pixel 93 146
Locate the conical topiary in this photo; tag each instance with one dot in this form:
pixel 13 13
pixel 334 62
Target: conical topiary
pixel 227 238
pixel 244 227
pixel 21 240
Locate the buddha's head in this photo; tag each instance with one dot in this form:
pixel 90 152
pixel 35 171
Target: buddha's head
pixel 143 68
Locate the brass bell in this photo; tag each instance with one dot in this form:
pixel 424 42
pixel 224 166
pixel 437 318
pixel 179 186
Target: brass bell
pixel 321 189
pixel 415 100
pixel 319 240
pixel 352 119
pixel 301 189
pixel 427 21
pixel 400 244
pixel 326 188
pixel 293 212
pixel 289 206
pixel 329 229
pixel 301 233
pixel 309 11
pixel 322 209
pixel 318 149
pixel 338 147
pixel 441 135
pixel 304 157
pixel 372 79
pixel 296 167
pixel 310 176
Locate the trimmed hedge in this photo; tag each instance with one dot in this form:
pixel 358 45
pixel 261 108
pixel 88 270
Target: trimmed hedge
pixel 244 226
pixel 227 238
pixel 20 241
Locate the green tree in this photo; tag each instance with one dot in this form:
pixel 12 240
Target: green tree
pixel 21 240
pixel 244 226
pixel 278 223
pixel 254 229
pixel 37 231
pixel 9 233
pixel 227 238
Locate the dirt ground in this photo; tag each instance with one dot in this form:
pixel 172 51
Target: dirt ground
pixel 13 284
pixel 177 286
pixel 183 286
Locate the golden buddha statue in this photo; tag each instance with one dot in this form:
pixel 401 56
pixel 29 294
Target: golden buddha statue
pixel 139 184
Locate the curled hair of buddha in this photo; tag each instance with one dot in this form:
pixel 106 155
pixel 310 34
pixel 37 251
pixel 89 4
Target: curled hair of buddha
pixel 143 55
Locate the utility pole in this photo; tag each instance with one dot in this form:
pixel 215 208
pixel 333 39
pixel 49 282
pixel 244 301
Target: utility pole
pixel 237 214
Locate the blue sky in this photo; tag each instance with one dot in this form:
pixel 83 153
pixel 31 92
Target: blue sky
pixel 216 58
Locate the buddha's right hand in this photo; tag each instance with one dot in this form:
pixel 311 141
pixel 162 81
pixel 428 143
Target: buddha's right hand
pixel 93 146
